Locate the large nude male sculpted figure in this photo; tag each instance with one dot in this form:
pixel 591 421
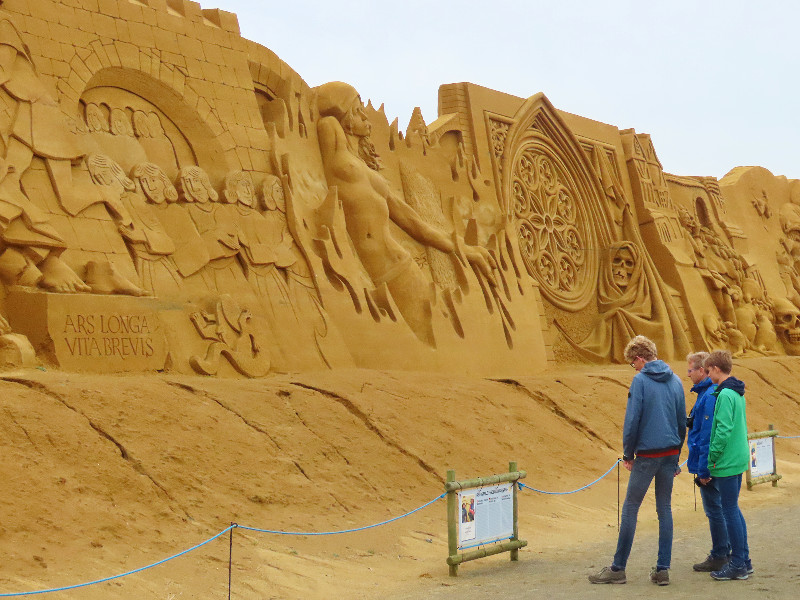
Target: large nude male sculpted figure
pixel 370 205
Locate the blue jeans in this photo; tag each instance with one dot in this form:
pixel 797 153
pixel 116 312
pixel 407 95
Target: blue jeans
pixel 643 472
pixel 734 520
pixel 712 505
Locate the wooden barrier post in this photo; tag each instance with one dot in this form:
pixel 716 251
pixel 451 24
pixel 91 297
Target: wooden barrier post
pixel 514 554
pixel 452 523
pixel 774 460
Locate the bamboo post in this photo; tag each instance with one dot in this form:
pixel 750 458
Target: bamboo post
pixel 452 523
pixel 512 468
pixel 230 560
pixel 774 459
pixel 748 475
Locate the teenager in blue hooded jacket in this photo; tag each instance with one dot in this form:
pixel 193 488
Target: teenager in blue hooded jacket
pixel 653 434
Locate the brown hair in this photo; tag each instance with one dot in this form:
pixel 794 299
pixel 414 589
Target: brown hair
pixel 640 346
pixel 720 359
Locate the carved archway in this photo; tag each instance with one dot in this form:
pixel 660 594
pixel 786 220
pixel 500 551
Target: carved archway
pixel 554 200
pixel 185 120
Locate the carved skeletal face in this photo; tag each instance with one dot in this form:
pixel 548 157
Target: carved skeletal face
pixel 787 325
pixel 622 267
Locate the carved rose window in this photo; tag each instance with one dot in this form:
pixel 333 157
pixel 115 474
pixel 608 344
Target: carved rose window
pixel 551 231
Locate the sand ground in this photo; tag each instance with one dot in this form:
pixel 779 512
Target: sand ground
pixel 561 573
pixel 103 474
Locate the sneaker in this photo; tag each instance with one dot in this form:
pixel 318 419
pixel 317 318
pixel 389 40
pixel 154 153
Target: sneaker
pixel 659 577
pixel 606 575
pixel 711 564
pixel 748 564
pixel 729 572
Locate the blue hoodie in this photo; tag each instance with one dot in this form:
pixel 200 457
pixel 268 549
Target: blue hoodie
pixel 700 434
pixel 655 418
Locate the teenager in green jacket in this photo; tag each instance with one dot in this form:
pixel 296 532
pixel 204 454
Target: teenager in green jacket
pixel 728 458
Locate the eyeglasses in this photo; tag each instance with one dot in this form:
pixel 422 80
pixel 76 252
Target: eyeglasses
pixel 633 364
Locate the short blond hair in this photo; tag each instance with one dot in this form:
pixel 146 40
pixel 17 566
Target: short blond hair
pixel 720 359
pixel 697 359
pixel 642 347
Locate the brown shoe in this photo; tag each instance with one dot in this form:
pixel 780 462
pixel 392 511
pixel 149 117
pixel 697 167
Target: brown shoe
pixel 711 564
pixel 659 577
pixel 606 575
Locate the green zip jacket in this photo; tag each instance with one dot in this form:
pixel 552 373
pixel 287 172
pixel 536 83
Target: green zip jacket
pixel 729 451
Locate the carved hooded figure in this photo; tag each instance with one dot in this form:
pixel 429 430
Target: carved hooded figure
pixel 631 301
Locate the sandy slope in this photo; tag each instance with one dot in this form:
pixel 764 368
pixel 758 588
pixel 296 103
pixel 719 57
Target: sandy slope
pixel 102 474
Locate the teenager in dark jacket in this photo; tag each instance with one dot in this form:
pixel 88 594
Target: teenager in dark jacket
pixel 654 431
pixel 698 438
pixel 728 458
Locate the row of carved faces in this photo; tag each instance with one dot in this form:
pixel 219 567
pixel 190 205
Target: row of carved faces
pixel 191 185
pixel 118 121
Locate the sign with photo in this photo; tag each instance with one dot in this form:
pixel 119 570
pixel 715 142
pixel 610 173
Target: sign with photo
pixel 486 515
pixel 762 457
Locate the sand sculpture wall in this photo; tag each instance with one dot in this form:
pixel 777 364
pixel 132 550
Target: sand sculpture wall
pixel 173 196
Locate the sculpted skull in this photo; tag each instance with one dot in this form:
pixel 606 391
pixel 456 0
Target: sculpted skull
pixel 787 325
pixel 622 267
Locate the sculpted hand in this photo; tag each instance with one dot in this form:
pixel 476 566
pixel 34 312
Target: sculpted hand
pixel 479 257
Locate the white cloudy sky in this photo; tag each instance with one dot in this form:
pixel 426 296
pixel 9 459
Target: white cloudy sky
pixel 716 83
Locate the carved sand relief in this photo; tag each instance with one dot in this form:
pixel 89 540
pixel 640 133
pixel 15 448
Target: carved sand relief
pixel 250 224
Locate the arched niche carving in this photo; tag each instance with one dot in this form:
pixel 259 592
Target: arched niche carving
pixel 552 197
pixel 702 212
pixel 181 121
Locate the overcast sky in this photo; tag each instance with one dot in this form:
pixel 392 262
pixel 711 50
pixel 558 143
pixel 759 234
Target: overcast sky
pixel 715 83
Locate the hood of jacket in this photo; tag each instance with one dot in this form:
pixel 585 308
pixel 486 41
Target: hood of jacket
pixel 731 383
pixel 657 370
pixel 699 388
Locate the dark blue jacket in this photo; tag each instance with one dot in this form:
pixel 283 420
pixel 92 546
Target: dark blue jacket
pixel 655 418
pixel 699 435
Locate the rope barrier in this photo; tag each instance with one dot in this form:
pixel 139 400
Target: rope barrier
pixel 201 544
pixel 588 485
pixel 343 530
pixel 139 570
pixel 788 437
pixel 301 533
pixel 522 485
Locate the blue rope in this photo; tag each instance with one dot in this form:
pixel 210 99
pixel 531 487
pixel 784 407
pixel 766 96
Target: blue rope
pixel 573 491
pixel 226 530
pixel 788 437
pixel 343 530
pixel 161 562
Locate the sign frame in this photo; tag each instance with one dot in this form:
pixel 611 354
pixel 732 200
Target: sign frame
pixel 510 544
pixel 772 476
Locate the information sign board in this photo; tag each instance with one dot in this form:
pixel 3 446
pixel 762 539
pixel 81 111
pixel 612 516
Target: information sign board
pixel 486 515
